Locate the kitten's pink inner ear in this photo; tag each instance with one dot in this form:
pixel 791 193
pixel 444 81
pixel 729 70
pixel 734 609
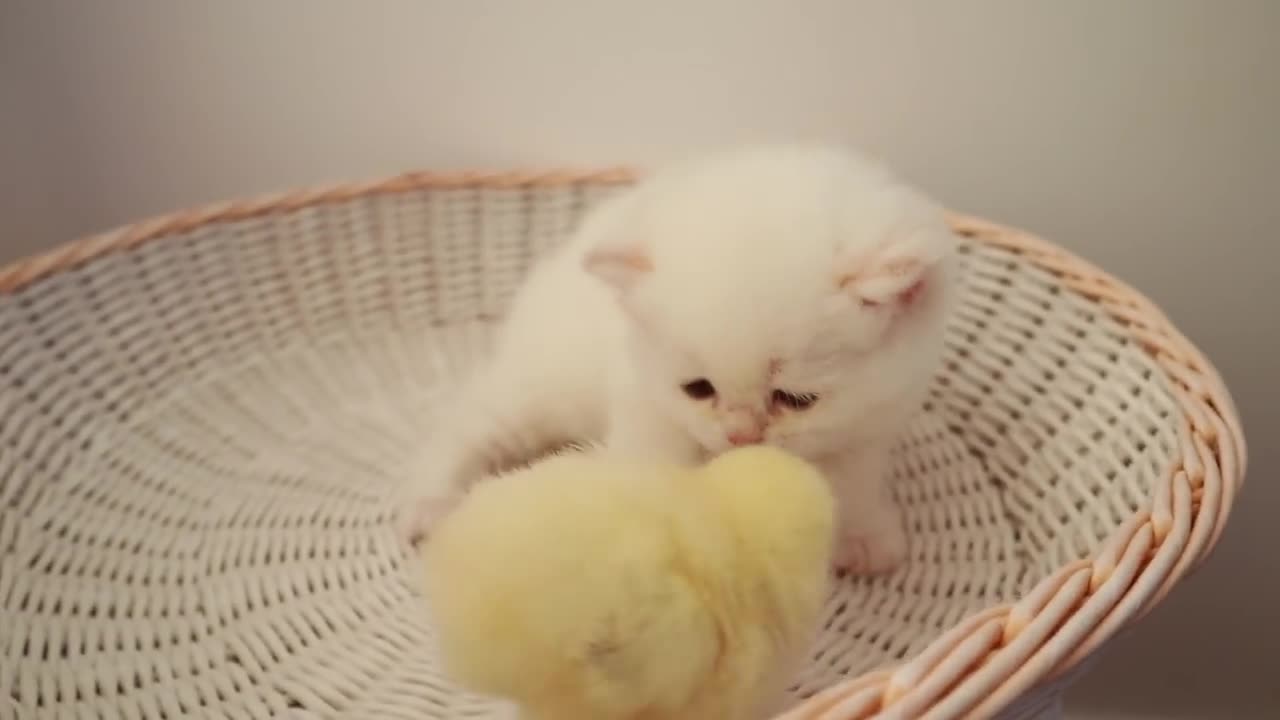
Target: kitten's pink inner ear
pixel 620 268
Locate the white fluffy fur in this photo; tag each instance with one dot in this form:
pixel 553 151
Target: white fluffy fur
pixel 775 268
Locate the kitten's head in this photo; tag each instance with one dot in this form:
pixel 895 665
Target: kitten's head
pixel 782 294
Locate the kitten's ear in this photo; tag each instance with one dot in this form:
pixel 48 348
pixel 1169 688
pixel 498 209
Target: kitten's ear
pixel 896 270
pixel 617 254
pixel 619 264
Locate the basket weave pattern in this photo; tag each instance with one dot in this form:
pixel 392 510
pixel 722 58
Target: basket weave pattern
pixel 203 418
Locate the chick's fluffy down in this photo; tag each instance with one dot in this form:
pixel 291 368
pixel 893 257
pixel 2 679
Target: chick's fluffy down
pixel 588 588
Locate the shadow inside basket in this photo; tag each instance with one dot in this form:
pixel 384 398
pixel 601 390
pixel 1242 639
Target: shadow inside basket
pixel 234 510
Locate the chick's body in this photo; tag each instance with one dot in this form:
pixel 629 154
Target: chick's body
pixel 591 588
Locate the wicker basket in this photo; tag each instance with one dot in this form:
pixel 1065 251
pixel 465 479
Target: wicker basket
pixel 203 416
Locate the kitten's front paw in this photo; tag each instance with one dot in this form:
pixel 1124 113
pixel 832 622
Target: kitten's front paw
pixel 418 516
pixel 871 553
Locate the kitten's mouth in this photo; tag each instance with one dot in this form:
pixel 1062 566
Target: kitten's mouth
pixel 711 450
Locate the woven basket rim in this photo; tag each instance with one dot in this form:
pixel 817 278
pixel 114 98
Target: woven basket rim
pixel 988 660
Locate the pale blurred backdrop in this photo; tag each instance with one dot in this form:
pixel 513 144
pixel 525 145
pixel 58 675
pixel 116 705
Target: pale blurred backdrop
pixel 1140 133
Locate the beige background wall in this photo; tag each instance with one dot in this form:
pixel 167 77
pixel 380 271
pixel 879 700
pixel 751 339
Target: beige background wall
pixel 1141 133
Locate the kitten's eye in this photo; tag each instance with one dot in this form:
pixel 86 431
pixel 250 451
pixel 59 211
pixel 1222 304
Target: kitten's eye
pixel 699 389
pixel 794 401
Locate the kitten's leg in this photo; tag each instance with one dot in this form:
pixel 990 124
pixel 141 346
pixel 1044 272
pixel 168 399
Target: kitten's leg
pixel 435 486
pixel 871 537
pixel 638 429
pixel 498 420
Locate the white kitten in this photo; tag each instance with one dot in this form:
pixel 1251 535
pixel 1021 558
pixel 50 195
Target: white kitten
pixel 782 294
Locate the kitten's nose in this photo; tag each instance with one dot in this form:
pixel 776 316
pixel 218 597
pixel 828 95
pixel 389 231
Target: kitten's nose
pixel 744 425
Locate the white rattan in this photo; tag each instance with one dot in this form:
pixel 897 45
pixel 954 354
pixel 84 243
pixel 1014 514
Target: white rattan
pixel 202 418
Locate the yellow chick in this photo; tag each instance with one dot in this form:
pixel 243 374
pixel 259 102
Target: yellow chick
pixel 588 587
